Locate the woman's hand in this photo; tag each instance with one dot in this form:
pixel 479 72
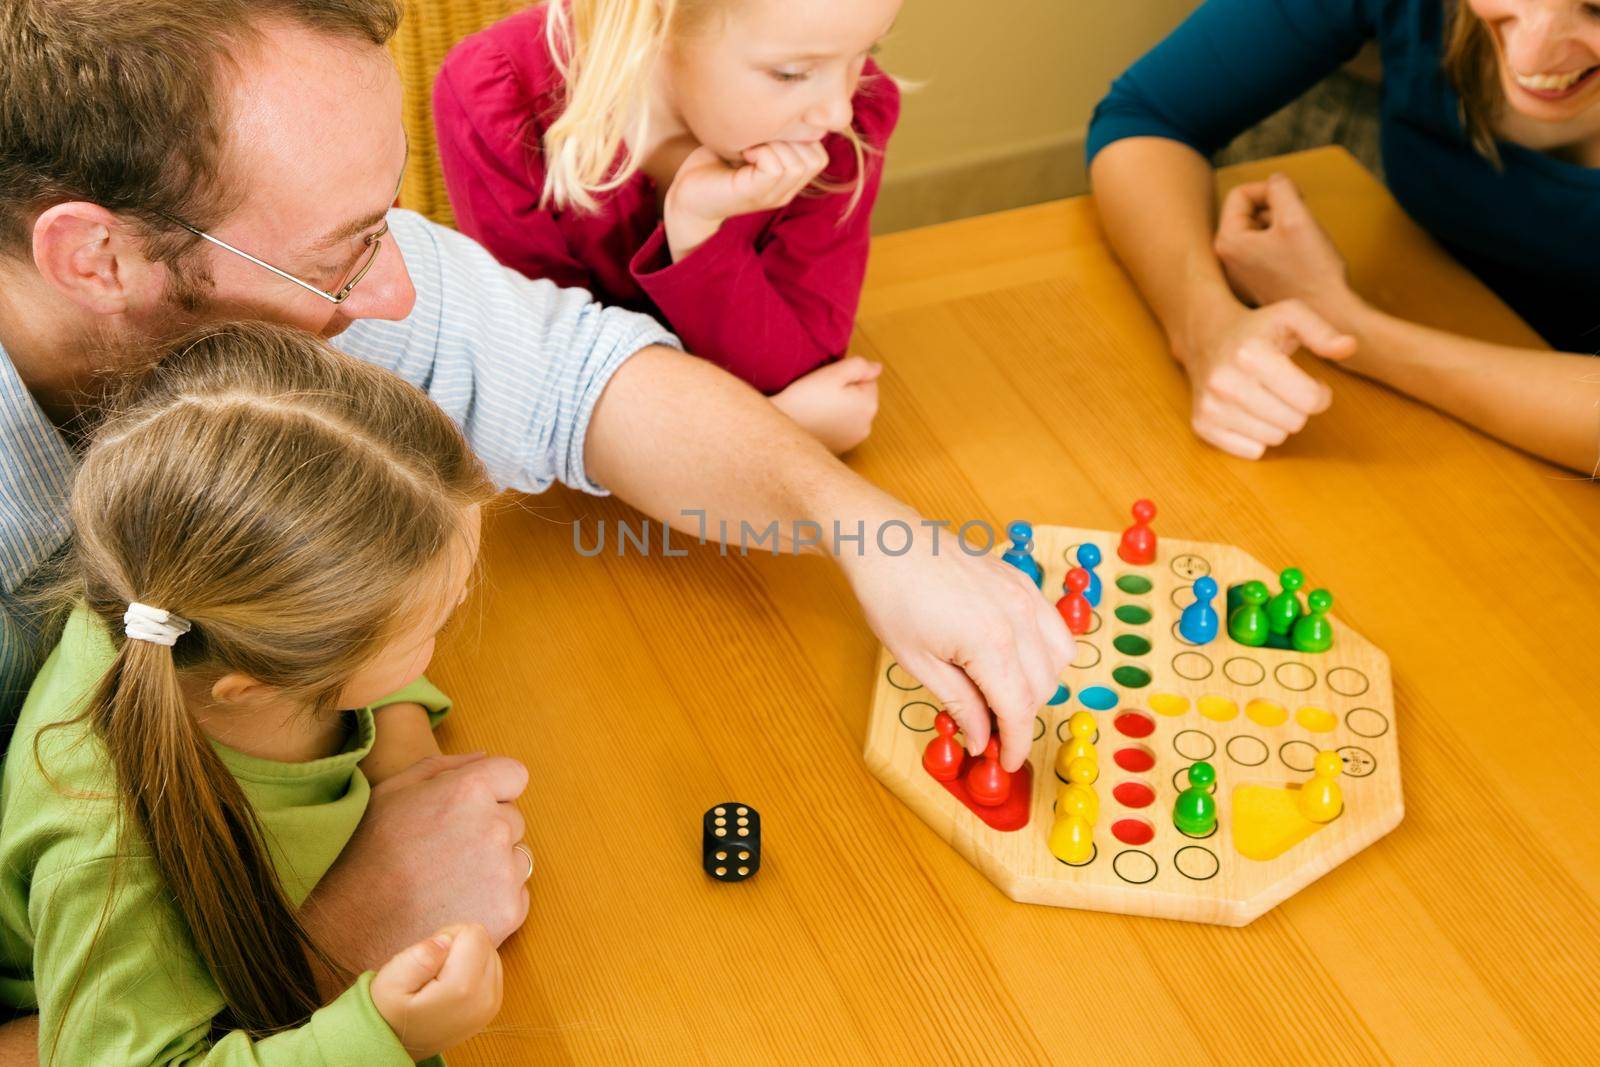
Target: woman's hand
pixel 1272 248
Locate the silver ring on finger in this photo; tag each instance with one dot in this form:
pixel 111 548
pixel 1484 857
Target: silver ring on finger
pixel 527 855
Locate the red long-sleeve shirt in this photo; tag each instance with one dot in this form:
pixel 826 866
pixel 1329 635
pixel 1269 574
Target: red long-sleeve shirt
pixel 770 296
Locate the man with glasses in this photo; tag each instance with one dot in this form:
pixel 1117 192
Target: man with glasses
pixel 164 162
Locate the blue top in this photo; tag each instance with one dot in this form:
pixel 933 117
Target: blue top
pixel 1529 230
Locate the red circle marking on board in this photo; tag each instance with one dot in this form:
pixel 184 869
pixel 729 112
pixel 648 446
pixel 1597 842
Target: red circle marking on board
pixel 1138 760
pixel 1134 795
pixel 1133 831
pixel 1133 724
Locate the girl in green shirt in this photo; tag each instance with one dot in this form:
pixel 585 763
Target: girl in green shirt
pixel 267 532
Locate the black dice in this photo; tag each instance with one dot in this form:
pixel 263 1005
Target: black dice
pixel 730 847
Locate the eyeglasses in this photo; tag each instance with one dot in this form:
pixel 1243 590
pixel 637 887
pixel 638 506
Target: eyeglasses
pixel 372 242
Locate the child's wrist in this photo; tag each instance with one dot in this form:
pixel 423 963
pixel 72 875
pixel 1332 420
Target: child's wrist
pixel 687 232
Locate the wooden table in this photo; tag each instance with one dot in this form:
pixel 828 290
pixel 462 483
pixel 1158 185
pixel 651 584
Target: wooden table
pixel 1026 378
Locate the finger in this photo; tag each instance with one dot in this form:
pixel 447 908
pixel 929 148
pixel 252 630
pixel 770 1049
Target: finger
pixel 1299 325
pixel 1235 444
pixel 1232 416
pixel 788 156
pixel 468 951
pixel 998 673
pixel 1016 734
pixel 1238 214
pixel 958 696
pixel 431 767
pixel 516 825
pixel 1283 378
pixel 415 966
pixel 505 777
pixel 1270 408
pixel 1284 200
pixel 1060 648
pixel 859 368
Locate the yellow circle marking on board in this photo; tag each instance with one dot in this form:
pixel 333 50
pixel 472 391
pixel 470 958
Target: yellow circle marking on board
pixel 1168 703
pixel 1218 709
pixel 1266 713
pixel 1318 720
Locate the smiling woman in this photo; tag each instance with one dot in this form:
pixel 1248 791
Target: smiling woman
pixel 1491 140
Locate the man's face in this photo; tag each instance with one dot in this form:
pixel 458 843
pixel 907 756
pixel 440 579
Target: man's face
pixel 315 146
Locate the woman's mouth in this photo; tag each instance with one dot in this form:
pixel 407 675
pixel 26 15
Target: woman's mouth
pixel 1555 86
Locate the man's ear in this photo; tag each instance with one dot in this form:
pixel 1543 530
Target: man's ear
pixel 93 258
pixel 239 689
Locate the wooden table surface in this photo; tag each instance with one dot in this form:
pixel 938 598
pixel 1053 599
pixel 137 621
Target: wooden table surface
pixel 1026 379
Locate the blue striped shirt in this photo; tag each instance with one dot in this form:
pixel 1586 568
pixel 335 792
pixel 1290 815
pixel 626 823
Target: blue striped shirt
pixel 519 364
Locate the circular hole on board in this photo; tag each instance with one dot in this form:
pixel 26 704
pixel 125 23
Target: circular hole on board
pixel 1132 614
pixel 1133 831
pixel 1133 794
pixel 1196 863
pixel 1137 584
pixel 1098 698
pixel 1366 722
pixel 918 715
pixel 1085 655
pixel 1189 566
pixel 1317 720
pixel 1266 713
pixel 1131 644
pixel 1134 758
pixel 1218 709
pixel 1358 762
pixel 1192 665
pixel 1347 681
pixel 1135 866
pixel 1194 745
pixel 1242 670
pixel 1063 694
pixel 1296 676
pixel 1130 677
pixel 1134 724
pixel 1298 755
pixel 1177 635
pixel 1038 727
pixel 1094 854
pixel 1094 622
pixel 900 679
pixel 1183 596
pixel 1168 703
pixel 1247 751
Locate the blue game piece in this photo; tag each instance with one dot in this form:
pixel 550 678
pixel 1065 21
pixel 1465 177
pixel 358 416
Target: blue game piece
pixel 1020 554
pixel 1089 559
pixel 1199 621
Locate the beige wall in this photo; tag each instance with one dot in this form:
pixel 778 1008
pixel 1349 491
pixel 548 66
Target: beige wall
pixel 1007 90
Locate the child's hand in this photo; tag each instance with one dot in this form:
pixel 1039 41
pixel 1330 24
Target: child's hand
pixel 441 991
pixel 706 190
pixel 836 403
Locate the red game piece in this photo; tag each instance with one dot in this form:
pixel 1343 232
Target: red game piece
pixel 942 757
pixel 1139 540
pixel 988 783
pixel 1074 606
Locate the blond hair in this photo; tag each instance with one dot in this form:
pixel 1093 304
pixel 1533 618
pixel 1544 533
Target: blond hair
pixel 287 500
pixel 605 51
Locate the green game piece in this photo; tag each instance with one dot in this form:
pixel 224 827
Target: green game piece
pixel 1313 632
pixel 1195 812
pixel 1235 596
pixel 1284 608
pixel 1247 624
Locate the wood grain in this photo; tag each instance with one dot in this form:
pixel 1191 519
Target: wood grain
pixel 1026 378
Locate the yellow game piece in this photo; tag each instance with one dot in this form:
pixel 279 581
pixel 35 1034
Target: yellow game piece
pixel 1321 799
pixel 1082 725
pixel 1072 839
pixel 1083 771
pixel 1075 749
pixel 1078 800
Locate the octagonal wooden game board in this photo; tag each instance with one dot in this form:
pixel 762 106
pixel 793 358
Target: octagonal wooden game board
pixel 1258 715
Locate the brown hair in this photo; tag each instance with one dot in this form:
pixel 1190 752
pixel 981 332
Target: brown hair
pixel 114 102
pixel 286 500
pixel 1473 69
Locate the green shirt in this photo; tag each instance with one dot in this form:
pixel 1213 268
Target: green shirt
pixel 145 996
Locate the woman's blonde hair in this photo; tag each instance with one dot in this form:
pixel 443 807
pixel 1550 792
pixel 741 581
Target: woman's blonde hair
pixel 287 500
pixel 1473 69
pixel 605 51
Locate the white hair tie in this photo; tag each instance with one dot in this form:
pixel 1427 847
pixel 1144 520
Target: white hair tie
pixel 141 622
